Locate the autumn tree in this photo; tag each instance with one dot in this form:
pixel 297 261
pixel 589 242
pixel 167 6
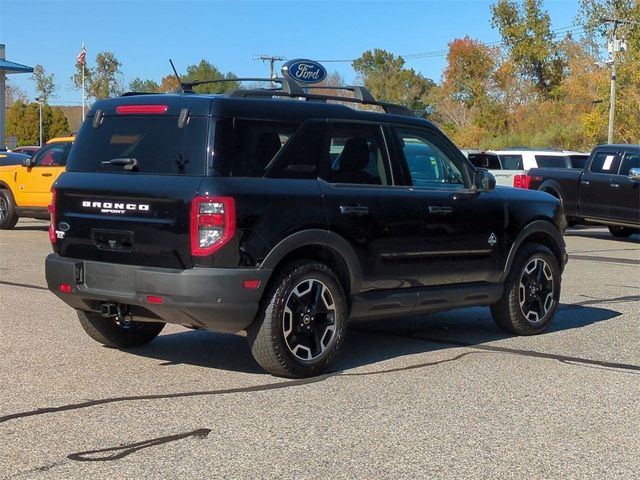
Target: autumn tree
pixel 104 80
pixel 45 84
pixel 386 77
pixel 526 34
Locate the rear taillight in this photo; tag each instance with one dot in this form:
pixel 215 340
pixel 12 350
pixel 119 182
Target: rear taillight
pixel 521 181
pixel 213 223
pixel 52 213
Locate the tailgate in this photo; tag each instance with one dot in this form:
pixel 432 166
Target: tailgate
pixel 123 218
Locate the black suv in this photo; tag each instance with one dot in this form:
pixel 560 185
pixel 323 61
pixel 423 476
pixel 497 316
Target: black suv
pixel 283 214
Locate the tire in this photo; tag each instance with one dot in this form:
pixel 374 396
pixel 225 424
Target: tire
pixel 112 334
pixel 8 215
pixel 621 232
pixel 531 292
pixel 300 326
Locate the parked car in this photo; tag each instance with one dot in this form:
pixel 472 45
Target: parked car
pixel 606 192
pixel 10 158
pixel 25 188
pixel 27 149
pixel 511 167
pixel 285 217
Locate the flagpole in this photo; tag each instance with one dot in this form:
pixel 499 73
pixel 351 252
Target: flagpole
pixel 83 92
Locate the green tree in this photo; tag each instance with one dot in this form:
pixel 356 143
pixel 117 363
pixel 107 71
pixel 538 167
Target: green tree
pixel 139 85
pixel 45 84
pixel 104 80
pixel 387 79
pixel 526 34
pixel 58 124
pixel 207 71
pixel 23 122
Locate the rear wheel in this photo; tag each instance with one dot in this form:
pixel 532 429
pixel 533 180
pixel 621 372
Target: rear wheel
pixel 114 334
pixel 8 215
pixel 531 292
pixel 621 232
pixel 300 326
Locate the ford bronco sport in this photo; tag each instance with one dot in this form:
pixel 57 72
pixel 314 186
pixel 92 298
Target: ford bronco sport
pixel 282 214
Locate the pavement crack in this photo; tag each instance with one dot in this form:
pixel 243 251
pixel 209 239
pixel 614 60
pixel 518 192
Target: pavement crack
pixel 124 450
pixel 22 285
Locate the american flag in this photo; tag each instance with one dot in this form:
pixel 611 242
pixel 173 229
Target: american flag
pixel 82 56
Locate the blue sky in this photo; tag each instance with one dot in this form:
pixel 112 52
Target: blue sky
pixel 144 34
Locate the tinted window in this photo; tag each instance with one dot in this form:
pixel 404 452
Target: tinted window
pixel 255 145
pixel 302 155
pixel 428 165
pixel 630 160
pixel 553 161
pixel 511 162
pixel 356 155
pixel 156 143
pixel 485 160
pixel 604 162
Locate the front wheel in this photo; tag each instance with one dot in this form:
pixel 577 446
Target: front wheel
pixel 621 232
pixel 114 334
pixel 8 215
pixel 300 326
pixel 531 292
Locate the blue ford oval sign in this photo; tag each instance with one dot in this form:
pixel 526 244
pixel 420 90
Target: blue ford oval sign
pixel 304 71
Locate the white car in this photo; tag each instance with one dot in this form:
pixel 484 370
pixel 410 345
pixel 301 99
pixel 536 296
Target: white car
pixel 510 167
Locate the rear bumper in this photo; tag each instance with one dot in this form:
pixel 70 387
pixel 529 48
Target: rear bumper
pixel 211 298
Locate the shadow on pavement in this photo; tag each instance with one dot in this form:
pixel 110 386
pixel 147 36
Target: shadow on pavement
pixel 598 233
pixel 367 342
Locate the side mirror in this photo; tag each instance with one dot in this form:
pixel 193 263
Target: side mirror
pixel 484 181
pixel 634 174
pixel 28 162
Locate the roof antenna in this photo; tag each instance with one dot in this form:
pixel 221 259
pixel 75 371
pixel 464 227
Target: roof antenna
pixel 182 85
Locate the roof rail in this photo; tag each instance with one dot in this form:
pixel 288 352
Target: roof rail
pixel 289 88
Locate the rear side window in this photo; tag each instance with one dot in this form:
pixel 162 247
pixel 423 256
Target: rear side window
pixel 553 161
pixel 249 148
pixel 512 162
pixel 156 143
pixel 604 162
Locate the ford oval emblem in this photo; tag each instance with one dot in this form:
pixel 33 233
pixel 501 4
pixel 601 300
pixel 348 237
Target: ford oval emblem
pixel 64 226
pixel 304 71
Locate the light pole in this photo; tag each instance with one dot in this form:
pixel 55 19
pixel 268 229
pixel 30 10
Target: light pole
pixel 39 100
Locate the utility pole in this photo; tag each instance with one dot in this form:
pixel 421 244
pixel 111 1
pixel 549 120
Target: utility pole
pixel 39 100
pixel 272 59
pixel 615 45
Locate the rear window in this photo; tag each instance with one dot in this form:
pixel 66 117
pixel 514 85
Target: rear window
pixel 553 161
pixel 511 162
pixel 156 143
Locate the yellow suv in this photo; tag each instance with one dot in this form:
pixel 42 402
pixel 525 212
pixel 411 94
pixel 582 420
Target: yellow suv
pixel 25 189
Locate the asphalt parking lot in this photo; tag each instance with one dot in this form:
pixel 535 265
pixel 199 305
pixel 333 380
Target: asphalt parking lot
pixel 440 396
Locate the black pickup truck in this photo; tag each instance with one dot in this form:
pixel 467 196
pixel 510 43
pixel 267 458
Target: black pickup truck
pixel 606 192
pixel 279 213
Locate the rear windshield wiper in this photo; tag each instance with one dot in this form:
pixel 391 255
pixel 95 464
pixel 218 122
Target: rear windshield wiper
pixel 127 162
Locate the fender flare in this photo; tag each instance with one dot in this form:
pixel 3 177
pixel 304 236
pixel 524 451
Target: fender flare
pixel 537 227
pixel 322 238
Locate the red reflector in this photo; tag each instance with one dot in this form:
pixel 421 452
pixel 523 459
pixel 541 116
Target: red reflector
pixel 155 299
pixel 212 220
pixel 251 284
pixel 65 288
pixel 521 181
pixel 142 109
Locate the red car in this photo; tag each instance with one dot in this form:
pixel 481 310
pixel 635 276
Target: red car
pixel 27 149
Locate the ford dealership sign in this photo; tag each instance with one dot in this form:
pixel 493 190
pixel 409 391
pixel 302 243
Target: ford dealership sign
pixel 304 71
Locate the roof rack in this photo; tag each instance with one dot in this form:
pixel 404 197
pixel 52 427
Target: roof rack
pixel 289 88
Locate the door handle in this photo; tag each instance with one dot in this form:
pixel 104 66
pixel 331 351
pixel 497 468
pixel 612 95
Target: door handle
pixel 440 210
pixel 47 174
pixel 355 210
pixel 584 182
pixel 615 185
